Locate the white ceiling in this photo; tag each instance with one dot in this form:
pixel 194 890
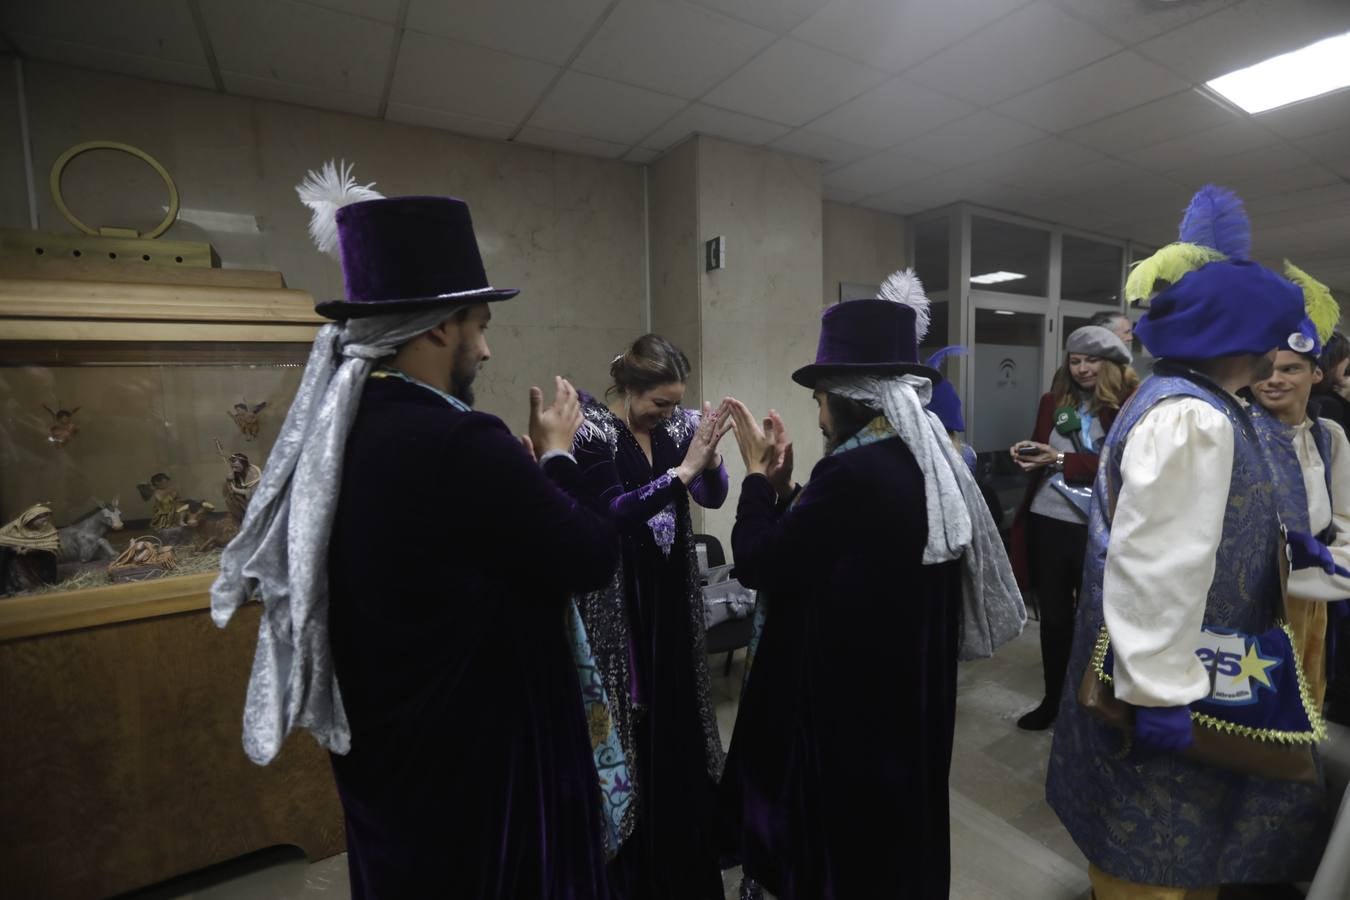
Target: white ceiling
pixel 1083 112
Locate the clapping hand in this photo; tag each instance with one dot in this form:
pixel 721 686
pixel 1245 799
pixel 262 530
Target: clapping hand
pixel 553 427
pixel 702 453
pixel 765 448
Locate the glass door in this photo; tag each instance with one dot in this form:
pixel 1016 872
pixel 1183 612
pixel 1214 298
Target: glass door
pixel 1008 373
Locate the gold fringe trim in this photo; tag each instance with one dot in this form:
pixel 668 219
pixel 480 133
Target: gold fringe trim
pixel 1318 725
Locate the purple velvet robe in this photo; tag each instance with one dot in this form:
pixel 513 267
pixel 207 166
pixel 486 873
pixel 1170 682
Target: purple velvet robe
pixel 452 558
pixel 673 849
pixel 836 782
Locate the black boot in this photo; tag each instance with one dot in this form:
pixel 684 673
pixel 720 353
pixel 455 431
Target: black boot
pixel 1056 642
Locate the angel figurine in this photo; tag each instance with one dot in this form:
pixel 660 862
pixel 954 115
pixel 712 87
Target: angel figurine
pixel 247 418
pixel 62 428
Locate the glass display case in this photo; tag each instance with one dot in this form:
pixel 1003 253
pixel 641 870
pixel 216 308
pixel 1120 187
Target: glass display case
pixel 134 422
pixel 157 444
pixel 125 393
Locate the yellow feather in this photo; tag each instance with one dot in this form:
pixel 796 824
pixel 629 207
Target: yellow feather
pixel 1168 265
pixel 1320 305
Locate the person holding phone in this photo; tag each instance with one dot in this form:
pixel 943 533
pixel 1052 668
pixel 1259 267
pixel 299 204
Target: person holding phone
pixel 1049 535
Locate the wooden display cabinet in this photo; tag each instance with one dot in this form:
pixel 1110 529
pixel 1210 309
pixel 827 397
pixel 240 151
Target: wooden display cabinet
pixel 121 704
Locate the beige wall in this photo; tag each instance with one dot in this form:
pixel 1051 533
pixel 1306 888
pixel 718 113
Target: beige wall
pixel 676 255
pixel 760 315
pixel 861 246
pixel 567 230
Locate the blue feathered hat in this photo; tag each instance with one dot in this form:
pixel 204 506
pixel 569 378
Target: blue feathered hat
pixel 1224 308
pixel 945 403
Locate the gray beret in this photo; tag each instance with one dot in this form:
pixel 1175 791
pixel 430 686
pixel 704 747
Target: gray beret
pixel 1094 340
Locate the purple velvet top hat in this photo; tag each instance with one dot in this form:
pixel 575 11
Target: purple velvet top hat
pixel 405 254
pixel 866 337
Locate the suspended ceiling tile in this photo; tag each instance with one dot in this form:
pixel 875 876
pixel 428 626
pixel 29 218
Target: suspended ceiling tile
pixel 1331 148
pixel 675 48
pixel 1112 85
pixel 604 110
pixel 1285 182
pixel 160 30
pixel 778 16
pixel 1041 162
pixel 880 173
pixel 1246 33
pixel 930 193
pixel 893 35
pixel 84 56
pixel 572 143
pixel 1332 198
pixel 548 30
pixel 829 150
pixel 1311 117
pixel 1030 47
pixel 890 113
pixel 301 94
pixel 793 83
pixel 716 122
pixel 379 10
pixel 1228 139
pixel 437 73
pixel 1134 22
pixel 1175 116
pixel 297 45
pixel 446 121
pixel 1250 164
pixel 973 138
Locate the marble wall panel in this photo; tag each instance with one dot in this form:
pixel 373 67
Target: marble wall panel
pixel 760 314
pixel 567 231
pixel 861 246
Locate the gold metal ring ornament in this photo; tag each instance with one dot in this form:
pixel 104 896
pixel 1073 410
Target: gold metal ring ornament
pixel 64 159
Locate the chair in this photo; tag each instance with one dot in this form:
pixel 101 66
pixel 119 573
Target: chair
pixel 724 637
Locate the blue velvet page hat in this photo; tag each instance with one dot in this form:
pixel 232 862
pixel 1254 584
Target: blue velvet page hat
pixel 1224 308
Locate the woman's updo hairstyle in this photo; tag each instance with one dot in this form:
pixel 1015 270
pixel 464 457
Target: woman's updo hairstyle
pixel 651 361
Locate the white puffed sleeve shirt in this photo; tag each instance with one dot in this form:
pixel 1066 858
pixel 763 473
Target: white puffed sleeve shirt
pixel 1175 473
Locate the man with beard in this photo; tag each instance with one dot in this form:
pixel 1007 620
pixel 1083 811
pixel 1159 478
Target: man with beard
pixel 415 563
pixel 1183 536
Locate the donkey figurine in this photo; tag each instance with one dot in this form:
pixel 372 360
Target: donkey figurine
pixel 83 540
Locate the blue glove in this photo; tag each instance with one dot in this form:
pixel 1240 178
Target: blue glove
pixel 1163 727
pixel 1306 552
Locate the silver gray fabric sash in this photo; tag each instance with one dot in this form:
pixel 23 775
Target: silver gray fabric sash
pixel 280 556
pixel 959 522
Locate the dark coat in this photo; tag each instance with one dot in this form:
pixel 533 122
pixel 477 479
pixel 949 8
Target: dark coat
pixel 451 560
pixel 1079 468
pixel 837 777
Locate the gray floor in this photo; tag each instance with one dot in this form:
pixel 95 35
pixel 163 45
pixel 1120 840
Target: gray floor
pixel 1006 844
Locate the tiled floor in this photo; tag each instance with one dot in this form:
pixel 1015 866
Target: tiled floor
pixel 1006 843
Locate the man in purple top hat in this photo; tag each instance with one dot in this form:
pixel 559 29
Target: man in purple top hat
pixel 415 563
pixel 873 580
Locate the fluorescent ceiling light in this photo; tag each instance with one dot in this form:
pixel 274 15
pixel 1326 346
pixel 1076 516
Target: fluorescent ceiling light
pixel 1004 312
pixel 1290 77
pixel 995 277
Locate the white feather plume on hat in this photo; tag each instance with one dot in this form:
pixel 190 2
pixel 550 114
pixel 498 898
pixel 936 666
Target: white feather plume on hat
pixel 325 192
pixel 905 287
